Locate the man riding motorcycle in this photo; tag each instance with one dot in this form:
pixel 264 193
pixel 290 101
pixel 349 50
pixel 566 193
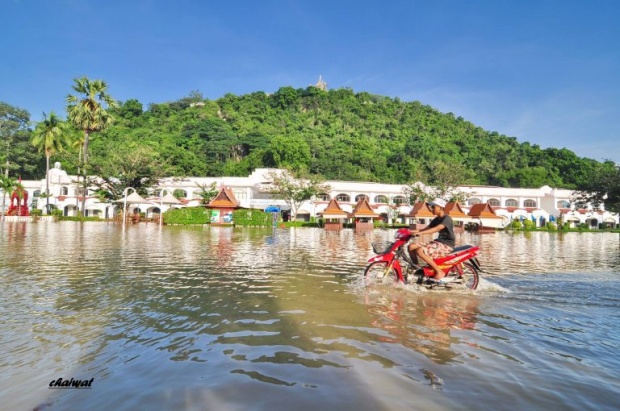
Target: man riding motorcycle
pixel 442 245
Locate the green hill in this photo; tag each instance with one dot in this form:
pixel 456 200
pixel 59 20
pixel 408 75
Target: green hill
pixel 338 134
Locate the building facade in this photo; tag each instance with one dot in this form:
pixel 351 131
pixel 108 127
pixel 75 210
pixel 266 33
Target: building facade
pixel 540 205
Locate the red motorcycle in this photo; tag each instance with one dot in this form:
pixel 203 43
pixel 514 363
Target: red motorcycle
pixel 461 265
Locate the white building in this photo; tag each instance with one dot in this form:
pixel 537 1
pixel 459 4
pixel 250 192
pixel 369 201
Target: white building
pixel 541 205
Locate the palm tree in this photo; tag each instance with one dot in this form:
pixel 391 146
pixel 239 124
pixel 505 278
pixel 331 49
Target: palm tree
pixel 88 112
pixel 7 185
pixel 49 136
pixel 78 143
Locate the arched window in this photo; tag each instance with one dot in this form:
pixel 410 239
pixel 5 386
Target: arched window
pixel 529 203
pixel 323 197
pixel 473 201
pixel 563 204
pixel 511 202
pixel 64 190
pixel 381 199
pixel 37 193
pixel 343 198
pixel 493 202
pixel 178 193
pixel 361 197
pixel 399 200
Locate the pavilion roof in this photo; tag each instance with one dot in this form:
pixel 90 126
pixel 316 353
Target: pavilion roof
pixel 363 209
pixel 421 210
pixel 333 210
pixel 482 210
pixel 224 199
pixel 453 209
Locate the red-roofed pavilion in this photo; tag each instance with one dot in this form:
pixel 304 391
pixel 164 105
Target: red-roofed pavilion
pixel 222 207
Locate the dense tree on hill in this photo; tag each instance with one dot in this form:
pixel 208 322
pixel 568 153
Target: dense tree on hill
pixel 337 134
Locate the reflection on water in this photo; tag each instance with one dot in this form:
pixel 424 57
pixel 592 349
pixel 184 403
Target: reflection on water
pixel 539 252
pixel 190 318
pixel 423 323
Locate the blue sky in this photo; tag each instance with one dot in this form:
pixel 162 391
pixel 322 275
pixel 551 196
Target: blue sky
pixel 544 71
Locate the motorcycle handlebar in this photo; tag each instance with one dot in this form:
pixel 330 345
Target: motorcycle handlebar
pixel 405 233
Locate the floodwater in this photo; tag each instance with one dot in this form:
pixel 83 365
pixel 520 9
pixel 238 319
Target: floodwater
pixel 201 318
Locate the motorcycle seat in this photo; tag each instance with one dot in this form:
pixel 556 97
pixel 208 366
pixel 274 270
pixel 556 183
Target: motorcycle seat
pixel 460 248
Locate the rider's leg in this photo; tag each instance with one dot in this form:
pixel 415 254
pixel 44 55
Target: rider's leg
pixel 438 271
pixel 413 247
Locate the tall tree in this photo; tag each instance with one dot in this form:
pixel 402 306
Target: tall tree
pixel 49 136
pixel 603 188
pixel 207 192
pixel 7 185
pixel 294 191
pixel 444 180
pixel 89 112
pixel 136 166
pixel 12 119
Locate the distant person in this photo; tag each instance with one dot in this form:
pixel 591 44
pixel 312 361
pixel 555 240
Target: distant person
pixel 442 245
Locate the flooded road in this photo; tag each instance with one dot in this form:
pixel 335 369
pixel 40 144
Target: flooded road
pixel 245 318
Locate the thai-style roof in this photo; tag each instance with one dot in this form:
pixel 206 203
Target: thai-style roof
pixel 421 210
pixel 482 210
pixel 362 209
pixel 133 198
pixel 224 199
pixel 169 199
pixel 333 210
pixel 454 210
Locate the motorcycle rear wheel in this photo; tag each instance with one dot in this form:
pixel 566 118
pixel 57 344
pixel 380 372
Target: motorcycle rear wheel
pixel 377 274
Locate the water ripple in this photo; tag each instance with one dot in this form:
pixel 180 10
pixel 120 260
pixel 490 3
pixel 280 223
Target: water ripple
pixel 262 310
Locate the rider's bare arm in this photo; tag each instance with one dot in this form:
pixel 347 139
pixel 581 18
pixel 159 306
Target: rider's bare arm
pixel 428 230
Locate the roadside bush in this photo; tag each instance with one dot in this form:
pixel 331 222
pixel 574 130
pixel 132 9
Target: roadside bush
pixel 187 216
pixel 379 223
pixel 551 226
pixel 516 225
pixel 528 224
pixel 78 218
pixel 252 218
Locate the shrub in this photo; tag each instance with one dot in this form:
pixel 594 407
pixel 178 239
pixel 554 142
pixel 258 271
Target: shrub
pixel 78 218
pixel 187 216
pixel 551 226
pixel 379 223
pixel 252 218
pixel 528 224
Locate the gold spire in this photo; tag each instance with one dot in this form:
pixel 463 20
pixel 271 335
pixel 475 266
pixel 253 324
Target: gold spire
pixel 321 84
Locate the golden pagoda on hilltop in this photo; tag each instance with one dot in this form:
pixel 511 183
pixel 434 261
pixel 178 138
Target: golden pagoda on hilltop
pixel 321 84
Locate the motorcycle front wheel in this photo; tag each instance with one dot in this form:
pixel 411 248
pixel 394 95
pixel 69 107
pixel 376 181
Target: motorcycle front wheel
pixel 378 273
